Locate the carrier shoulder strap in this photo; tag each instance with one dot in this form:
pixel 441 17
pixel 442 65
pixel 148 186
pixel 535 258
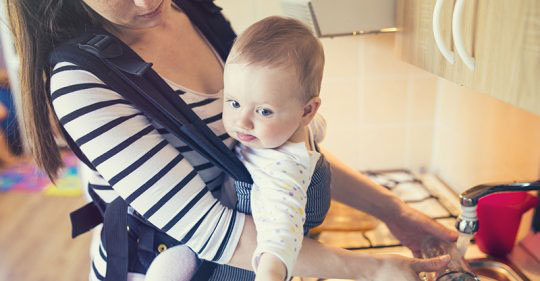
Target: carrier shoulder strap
pixel 123 70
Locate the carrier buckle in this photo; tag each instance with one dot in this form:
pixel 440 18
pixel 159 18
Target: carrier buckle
pixel 108 49
pixel 103 46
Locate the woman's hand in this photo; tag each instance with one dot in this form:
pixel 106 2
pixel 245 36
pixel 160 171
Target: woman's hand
pixel 412 227
pixel 400 268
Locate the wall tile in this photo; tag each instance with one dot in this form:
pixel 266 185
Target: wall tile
pixel 381 148
pixel 419 143
pixel 385 101
pixel 340 109
pixel 378 60
pixel 341 57
pixel 423 92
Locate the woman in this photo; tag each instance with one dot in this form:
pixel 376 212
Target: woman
pixel 132 157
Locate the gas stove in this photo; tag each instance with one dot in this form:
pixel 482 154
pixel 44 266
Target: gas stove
pixel 412 190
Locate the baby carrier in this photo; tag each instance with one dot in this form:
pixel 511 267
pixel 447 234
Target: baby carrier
pixel 129 75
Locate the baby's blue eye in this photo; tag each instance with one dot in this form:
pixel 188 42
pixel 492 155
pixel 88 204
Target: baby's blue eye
pixel 264 112
pixel 234 103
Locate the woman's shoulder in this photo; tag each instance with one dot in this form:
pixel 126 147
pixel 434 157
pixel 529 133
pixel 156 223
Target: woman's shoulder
pixel 74 88
pixel 67 74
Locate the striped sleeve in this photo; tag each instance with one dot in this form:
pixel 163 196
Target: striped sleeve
pixel 141 165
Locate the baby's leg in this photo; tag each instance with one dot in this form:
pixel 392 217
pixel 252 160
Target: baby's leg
pixel 175 264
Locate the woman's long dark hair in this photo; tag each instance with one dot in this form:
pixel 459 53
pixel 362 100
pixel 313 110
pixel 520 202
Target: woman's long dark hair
pixel 38 26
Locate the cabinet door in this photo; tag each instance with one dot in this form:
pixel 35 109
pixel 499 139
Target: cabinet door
pixel 415 42
pixel 507 51
pixel 503 37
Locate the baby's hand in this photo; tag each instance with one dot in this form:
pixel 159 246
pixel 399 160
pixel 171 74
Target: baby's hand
pixel 270 268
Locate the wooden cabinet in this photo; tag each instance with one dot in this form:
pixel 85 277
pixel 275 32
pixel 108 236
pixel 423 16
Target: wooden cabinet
pixel 503 37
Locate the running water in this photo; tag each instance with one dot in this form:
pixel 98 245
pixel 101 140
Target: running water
pixel 463 243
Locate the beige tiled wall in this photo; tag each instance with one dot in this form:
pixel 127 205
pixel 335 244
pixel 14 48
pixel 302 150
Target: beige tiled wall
pixel 479 139
pixel 380 110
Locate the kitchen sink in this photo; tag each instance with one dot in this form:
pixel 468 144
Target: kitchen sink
pixel 490 270
pixel 486 269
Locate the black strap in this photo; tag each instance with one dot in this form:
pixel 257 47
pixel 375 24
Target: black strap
pixel 115 239
pixel 84 219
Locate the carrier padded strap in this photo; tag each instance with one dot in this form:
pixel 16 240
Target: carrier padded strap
pixel 127 73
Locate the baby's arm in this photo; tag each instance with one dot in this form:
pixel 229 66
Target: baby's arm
pixel 278 200
pixel 270 268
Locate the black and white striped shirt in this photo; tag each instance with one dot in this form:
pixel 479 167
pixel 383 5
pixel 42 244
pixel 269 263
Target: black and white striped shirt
pixel 154 171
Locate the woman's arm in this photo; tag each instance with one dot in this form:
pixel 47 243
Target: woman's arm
pixel 358 191
pixel 318 260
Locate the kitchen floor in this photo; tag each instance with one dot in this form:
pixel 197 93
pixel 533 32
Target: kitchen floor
pixel 35 241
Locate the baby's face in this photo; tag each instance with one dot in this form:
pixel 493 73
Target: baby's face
pixel 262 105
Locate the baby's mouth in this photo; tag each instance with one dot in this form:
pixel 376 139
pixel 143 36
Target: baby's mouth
pixel 245 137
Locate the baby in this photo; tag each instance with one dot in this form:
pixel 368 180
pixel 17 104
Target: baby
pixel 272 79
pixel 271 87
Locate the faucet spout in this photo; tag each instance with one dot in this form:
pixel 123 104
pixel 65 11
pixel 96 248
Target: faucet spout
pixel 467 222
pixel 470 197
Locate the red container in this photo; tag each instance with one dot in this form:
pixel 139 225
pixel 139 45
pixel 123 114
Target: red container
pixel 499 216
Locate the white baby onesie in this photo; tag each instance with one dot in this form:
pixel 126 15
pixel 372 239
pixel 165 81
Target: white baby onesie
pixel 281 178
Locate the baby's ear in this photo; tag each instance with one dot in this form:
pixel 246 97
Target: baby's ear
pixel 310 109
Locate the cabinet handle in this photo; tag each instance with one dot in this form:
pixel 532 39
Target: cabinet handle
pixel 447 54
pixel 458 38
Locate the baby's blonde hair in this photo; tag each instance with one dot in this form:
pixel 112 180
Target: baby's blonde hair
pixel 283 42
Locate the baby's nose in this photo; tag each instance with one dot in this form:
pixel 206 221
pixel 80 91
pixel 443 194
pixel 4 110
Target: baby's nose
pixel 244 122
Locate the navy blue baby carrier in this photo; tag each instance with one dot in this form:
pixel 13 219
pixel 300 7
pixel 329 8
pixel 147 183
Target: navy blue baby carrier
pixel 129 75
pixel 122 69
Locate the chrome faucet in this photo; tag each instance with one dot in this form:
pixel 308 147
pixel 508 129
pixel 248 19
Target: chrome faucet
pixel 467 222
